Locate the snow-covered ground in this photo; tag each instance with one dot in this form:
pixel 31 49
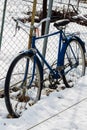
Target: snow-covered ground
pixel 64 110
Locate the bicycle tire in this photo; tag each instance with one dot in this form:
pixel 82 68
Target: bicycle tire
pixel 79 70
pixel 16 92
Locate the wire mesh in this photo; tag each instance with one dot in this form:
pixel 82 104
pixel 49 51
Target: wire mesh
pixel 13 44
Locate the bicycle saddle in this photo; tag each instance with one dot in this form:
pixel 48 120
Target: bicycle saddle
pixel 62 22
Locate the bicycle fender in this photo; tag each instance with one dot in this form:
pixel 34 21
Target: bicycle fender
pixel 31 52
pixel 81 42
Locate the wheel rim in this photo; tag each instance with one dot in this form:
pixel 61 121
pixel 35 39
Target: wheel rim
pixel 20 97
pixel 78 68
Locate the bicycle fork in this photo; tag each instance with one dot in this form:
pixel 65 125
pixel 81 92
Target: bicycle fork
pixel 26 73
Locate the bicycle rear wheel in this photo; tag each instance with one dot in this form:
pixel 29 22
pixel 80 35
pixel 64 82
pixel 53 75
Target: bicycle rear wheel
pixel 21 90
pixel 74 63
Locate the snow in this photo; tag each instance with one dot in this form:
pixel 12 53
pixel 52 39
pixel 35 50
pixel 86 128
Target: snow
pixel 64 110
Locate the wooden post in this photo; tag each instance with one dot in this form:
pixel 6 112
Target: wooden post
pixel 32 23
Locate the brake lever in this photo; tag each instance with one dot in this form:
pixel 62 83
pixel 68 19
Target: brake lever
pixel 17 27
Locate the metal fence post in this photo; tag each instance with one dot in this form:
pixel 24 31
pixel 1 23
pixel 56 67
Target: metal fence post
pixel 44 16
pixel 3 19
pixel 47 29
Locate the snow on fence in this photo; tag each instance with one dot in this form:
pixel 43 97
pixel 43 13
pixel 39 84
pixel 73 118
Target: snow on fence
pixel 13 42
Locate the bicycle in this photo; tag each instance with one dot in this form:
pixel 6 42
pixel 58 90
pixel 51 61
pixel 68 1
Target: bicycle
pixel 24 80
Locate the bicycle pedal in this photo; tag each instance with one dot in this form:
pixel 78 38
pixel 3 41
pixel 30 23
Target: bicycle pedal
pixel 53 86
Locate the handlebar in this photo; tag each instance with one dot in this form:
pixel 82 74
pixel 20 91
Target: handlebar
pixel 43 20
pixel 34 26
pixel 19 23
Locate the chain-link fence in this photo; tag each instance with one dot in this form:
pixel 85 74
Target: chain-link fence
pixel 13 42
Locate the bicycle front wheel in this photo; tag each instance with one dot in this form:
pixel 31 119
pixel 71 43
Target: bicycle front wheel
pixel 23 84
pixel 74 63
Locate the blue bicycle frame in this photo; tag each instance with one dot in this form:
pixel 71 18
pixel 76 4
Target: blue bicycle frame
pixel 59 62
pixel 63 43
